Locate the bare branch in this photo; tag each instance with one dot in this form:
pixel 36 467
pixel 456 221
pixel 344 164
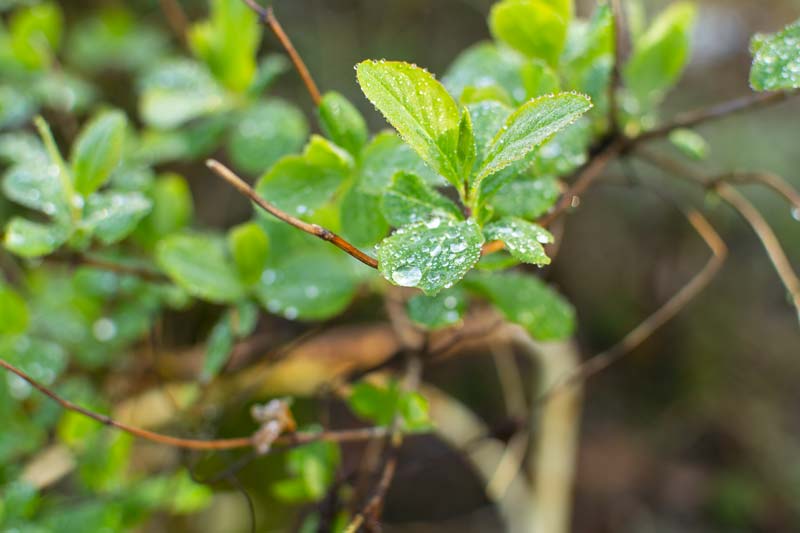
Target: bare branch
pixel 312 229
pixel 268 18
pixel 716 112
pixel 767 237
pixel 290 439
pixel 176 18
pixel 771 181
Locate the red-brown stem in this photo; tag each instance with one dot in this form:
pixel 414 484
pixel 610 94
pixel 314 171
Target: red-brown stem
pixel 313 229
pixel 267 16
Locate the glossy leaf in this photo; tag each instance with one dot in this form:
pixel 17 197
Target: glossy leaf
pixel 97 151
pixel 363 222
pixel 431 255
pixel 776 60
pixel 112 216
pixel 523 239
pixel 487 65
pixel 249 246
pixel 691 143
pixel 266 132
pixel 660 55
pixel 530 126
pixel 526 198
pixel 537 28
pixel 37 185
pixel 409 200
pixel 440 311
pixel 386 155
pixel 419 108
pixel 31 239
pixel 199 264
pixel 171 208
pixel 527 301
pixel 342 123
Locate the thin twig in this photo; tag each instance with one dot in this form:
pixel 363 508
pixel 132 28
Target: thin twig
pixel 767 237
pixel 312 229
pixel 291 439
pixel 176 18
pixel 771 181
pixel 664 314
pixel 268 18
pixel 715 112
pixel 616 72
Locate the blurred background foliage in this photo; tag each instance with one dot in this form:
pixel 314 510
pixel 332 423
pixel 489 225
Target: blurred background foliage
pixel 696 431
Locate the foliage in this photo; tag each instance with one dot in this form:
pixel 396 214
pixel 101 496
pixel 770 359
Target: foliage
pixel 474 161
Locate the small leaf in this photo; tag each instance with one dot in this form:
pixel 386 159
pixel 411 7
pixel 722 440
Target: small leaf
pixel 776 60
pixel 409 200
pixel 16 106
pixel 97 151
pixel 539 79
pixel 691 143
pixel 361 217
pixel 440 311
pixel 266 132
pixel 308 284
pixel 415 412
pixel 431 255
pixel 31 239
pixel 218 348
pixel 476 95
pixel 419 108
pixel 527 301
pixel 342 123
pixel 249 247
pixel 526 198
pixel 523 239
pixel 385 156
pixel 660 55
pixel 37 185
pixel 178 91
pixel 376 404
pixel 530 126
pixel 302 184
pixel 112 216
pixel 486 65
pixel 198 263
pixel 466 144
pixel 534 27
pixel 270 68
pixel 35 34
pixel 13 311
pixel 171 210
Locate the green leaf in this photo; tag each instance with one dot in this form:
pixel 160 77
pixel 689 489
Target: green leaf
pixel 527 301
pixel 16 106
pixel 37 185
pixel 312 467
pixel 419 108
pixel 178 91
pixel 487 65
pixel 523 239
pixel 565 151
pixel 526 198
pixel 466 144
pixel 440 311
pixel 112 216
pixel 302 184
pixel 409 200
pixel 199 264
pixel 249 246
pixel 537 28
pixel 228 43
pixel 589 56
pixel 31 239
pixel 431 255
pixel 376 404
pixel 361 217
pixel 660 55
pixel 691 143
pixel 415 412
pixel 218 348
pixel 529 126
pixel 539 79
pixel 269 69
pixel 385 156
pixel 22 148
pixel 475 95
pixel 487 119
pixel 44 361
pixel 266 132
pixel 308 283
pixel 776 60
pixel 342 123
pixel 171 210
pixel 13 311
pixel 35 34
pixel 97 151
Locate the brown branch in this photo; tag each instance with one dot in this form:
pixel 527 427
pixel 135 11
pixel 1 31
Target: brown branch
pixel 716 112
pixel 767 237
pixel 176 18
pixel 291 439
pixel 312 229
pixel 268 18
pixel 771 181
